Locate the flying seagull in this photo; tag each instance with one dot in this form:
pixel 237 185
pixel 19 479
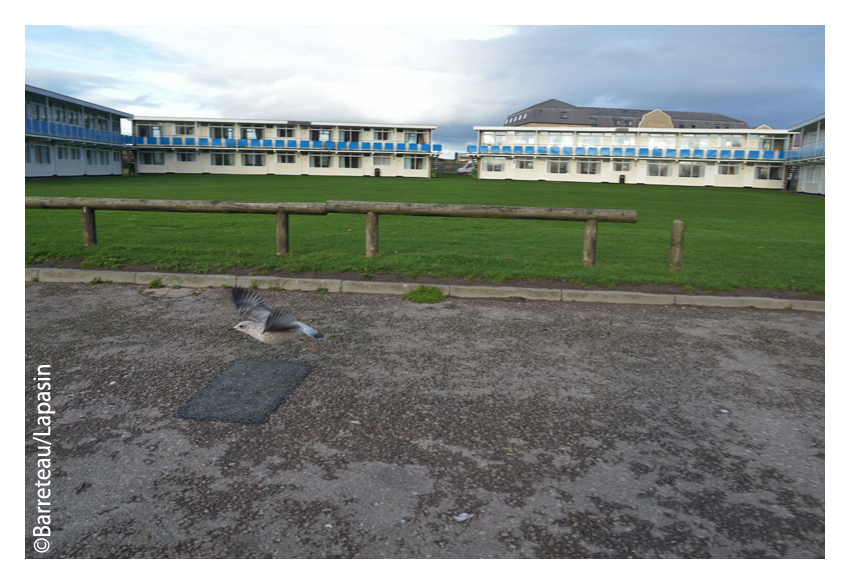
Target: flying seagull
pixel 273 327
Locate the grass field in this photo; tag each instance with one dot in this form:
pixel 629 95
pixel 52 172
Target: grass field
pixel 735 238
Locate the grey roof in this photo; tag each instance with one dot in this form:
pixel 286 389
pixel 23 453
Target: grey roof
pixel 552 111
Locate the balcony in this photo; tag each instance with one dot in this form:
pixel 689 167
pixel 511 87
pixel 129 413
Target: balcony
pixel 809 152
pixel 73 132
pixel 628 152
pixel 364 147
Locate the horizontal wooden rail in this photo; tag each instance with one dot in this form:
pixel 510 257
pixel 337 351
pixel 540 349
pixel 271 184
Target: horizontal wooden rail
pixel 371 209
pixel 482 211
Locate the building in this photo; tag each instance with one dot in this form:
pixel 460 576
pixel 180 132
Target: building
pixel 559 113
pixel 808 156
pixel 278 147
pixel 66 136
pixel 689 150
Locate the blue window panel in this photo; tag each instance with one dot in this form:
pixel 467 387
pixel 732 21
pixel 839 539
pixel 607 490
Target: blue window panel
pixel 555 150
pixel 593 151
pixel 643 151
pixel 517 149
pixel 685 152
pixel 292 143
pixel 150 141
pixel 316 144
pixel 305 144
pixel 280 143
pixel 699 153
pixel 472 149
pixel 28 124
pixel 671 152
pixel 267 143
pixel 657 152
pixel 242 142
pixel 739 154
pixel 378 146
pixel 400 146
pixel 781 155
pixel 541 149
pixel 753 154
pixel 139 140
pixel 366 145
pixel 711 154
pixel 216 142
pixel 425 148
pixel 483 149
pixel 769 154
pixel 580 150
pixel 354 145
pixel 630 151
pixel 437 147
pixel 164 141
pixel 725 154
pixel 567 150
pixel 342 145
pixel 52 127
pixel 178 141
pixel 232 142
pixel 606 152
pixel 330 144
pixel 618 151
pixel 190 141
pixel 413 147
pixel 388 146
pixel 203 141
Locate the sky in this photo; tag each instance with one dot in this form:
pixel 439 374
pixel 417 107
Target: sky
pixel 454 77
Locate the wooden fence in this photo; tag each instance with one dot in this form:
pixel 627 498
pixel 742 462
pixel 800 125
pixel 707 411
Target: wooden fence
pixel 591 217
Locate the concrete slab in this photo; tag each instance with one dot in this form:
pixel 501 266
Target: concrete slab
pixel 615 297
pixel 504 292
pixel 194 280
pixel 262 282
pixel 733 302
pixel 310 285
pixel 382 287
pixel 84 276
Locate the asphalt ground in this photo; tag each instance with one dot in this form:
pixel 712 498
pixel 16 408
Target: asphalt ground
pixel 473 428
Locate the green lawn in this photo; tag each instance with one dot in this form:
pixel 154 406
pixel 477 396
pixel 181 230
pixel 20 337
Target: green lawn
pixel 735 238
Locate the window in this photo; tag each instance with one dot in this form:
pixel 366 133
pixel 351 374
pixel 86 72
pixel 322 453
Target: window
pixel 76 154
pixel 694 141
pixel 769 172
pixel 144 130
pixel 59 114
pixel 771 143
pixel 557 138
pixel 494 138
pixel 728 169
pixel 414 163
pixel 186 157
pixel 381 135
pixel 662 140
pixel 151 158
pixel 184 129
pixel 37 111
pixel 350 162
pixel 41 154
pixel 623 139
pixel 659 169
pixel 381 160
pixel 558 166
pixel 585 139
pixel 286 158
pixel 116 156
pixel 589 167
pixel 221 132
pixel 563 115
pixel 524 138
pixel 286 132
pixel 349 135
pixel 222 159
pixel 731 141
pixel 524 163
pixel 622 166
pixel 253 159
pixel 61 153
pixel 91 157
pixel 320 135
pixel 691 170
pixel 320 161
pixel 73 117
pixel 249 133
pixel 103 156
pixel 494 164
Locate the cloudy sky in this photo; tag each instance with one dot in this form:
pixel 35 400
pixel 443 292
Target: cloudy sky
pixel 455 77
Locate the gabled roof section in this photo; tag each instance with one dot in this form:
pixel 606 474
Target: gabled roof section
pixel 75 101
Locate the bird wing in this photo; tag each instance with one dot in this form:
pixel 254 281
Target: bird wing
pixel 249 304
pixel 281 322
pixel 310 331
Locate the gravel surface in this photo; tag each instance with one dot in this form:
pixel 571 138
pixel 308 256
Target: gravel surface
pixel 472 428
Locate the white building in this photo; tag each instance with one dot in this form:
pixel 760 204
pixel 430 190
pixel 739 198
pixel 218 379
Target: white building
pixel 278 147
pixel 66 136
pixel 809 155
pixel 686 149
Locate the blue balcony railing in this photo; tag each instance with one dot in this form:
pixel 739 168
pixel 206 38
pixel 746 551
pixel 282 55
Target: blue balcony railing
pixel 59 130
pixel 278 144
pixel 618 151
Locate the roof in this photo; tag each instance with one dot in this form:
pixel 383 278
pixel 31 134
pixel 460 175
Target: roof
pixel 74 100
pixel 280 122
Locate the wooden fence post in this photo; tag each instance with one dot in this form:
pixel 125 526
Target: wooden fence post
pixel 589 253
pixel 282 233
pixel 677 244
pixel 89 230
pixel 371 234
